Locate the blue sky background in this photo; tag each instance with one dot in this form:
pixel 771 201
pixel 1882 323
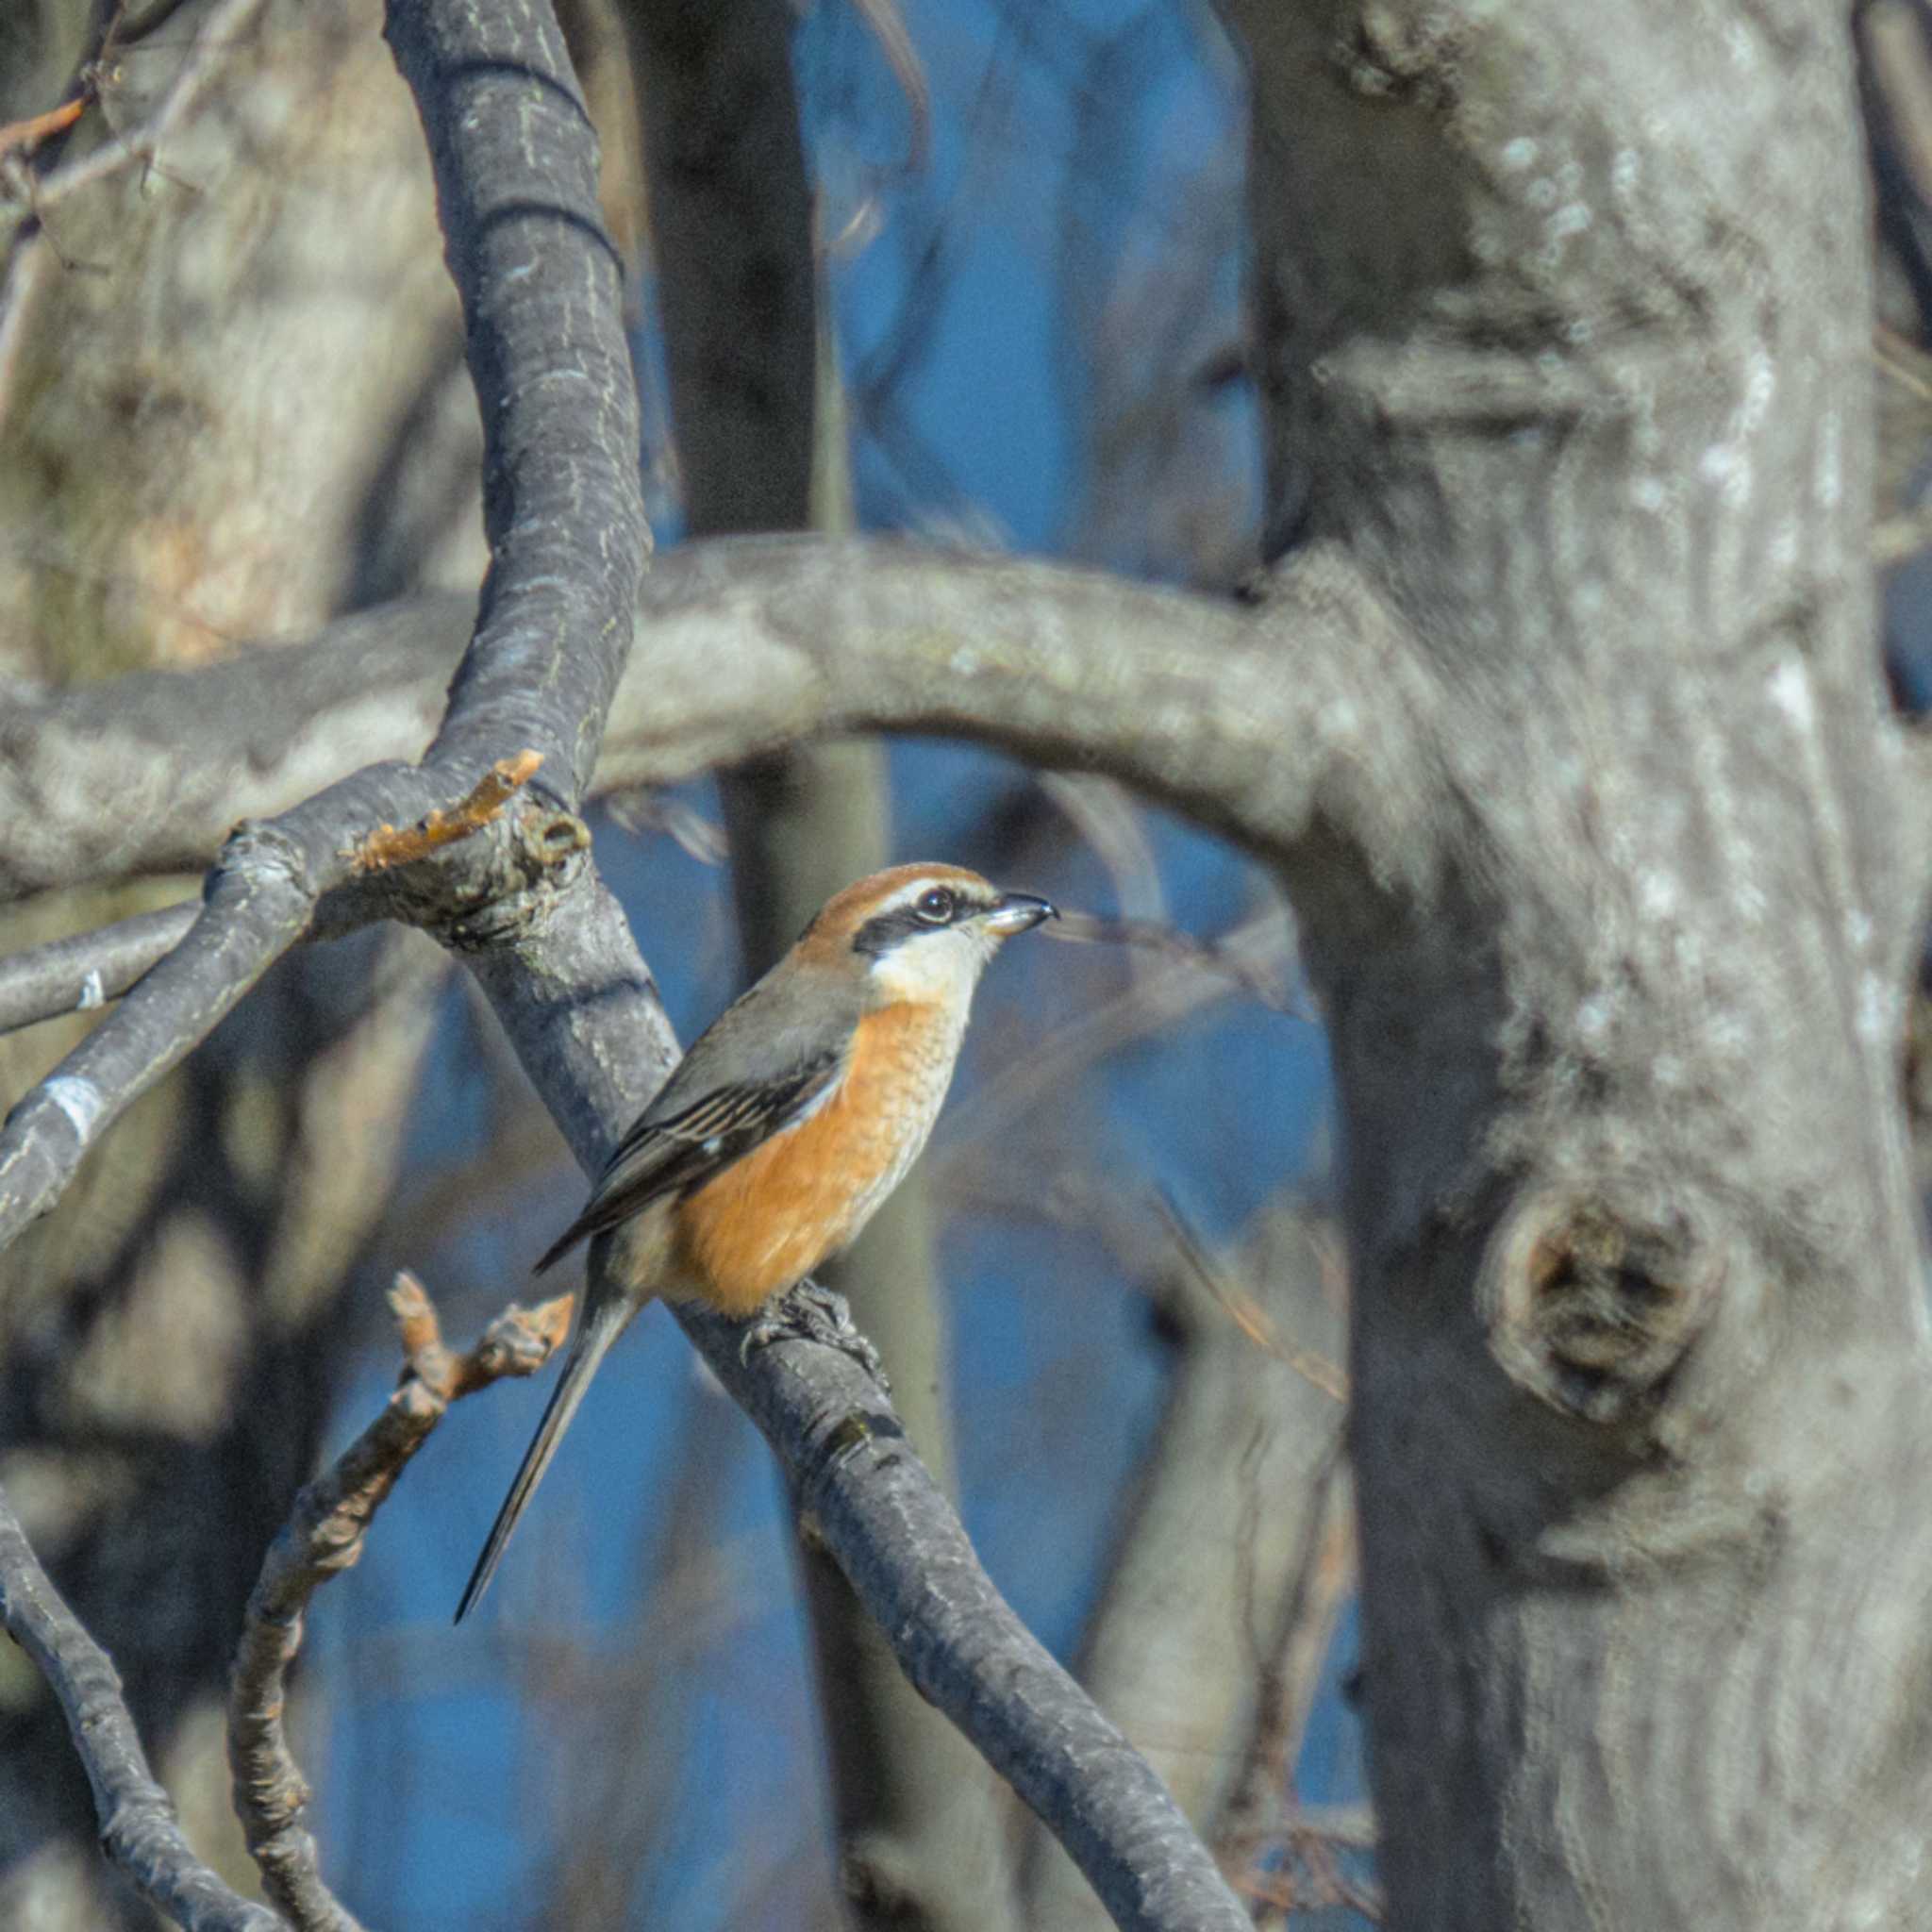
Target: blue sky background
pixel 1053 208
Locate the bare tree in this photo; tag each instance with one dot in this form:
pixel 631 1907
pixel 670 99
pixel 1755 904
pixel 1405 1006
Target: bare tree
pixel 1558 713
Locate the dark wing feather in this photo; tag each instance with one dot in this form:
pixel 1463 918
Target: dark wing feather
pixel 668 1154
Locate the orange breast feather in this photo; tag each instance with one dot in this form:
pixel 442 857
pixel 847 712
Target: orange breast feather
pixel 775 1215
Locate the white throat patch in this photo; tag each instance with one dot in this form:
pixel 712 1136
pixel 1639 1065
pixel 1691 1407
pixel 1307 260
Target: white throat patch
pixel 942 966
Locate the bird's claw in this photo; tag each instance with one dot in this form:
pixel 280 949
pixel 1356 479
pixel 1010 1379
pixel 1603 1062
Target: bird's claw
pixel 807 1312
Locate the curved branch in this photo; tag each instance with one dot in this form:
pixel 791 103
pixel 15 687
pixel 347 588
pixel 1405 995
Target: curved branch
pixel 516 182
pixel 890 1527
pixel 1239 714
pixel 1230 1507
pixel 139 1830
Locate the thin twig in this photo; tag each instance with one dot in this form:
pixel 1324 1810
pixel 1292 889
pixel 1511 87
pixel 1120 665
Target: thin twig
pixel 1242 1309
pixel 650 809
pixel 323 1537
pixel 139 1830
pixel 23 263
pixel 1219 958
pixel 1106 816
pixel 1323 1891
pixel 219 32
pixel 887 24
pixel 29 133
pixel 1256 1814
pixel 83 91
pixel 1157 1001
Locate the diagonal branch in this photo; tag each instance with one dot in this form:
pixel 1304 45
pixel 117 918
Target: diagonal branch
pixel 596 1048
pixel 139 1829
pixel 895 1536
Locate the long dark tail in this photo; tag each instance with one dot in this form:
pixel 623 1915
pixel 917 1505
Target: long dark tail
pixel 600 1327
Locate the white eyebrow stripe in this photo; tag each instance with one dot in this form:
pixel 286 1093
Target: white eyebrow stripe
pixel 909 894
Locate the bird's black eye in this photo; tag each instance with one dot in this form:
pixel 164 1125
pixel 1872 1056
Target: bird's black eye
pixel 935 906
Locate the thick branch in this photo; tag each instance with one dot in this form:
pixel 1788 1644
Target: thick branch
pixel 1252 718
pixel 901 1546
pixel 1237 716
pixel 516 180
pixel 137 1826
pixel 1563 316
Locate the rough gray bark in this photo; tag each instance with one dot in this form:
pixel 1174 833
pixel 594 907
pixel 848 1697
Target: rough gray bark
pixel 1565 313
pixel 1564 726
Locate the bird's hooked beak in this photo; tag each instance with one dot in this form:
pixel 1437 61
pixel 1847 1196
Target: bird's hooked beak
pixel 1019 912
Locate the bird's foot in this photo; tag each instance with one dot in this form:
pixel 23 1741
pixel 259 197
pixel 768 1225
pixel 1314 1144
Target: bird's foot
pixel 807 1312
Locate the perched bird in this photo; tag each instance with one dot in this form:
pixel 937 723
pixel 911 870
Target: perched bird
pixel 784 1128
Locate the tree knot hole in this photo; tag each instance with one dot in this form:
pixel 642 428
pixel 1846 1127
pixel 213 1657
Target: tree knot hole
pixel 550 834
pixel 1591 1305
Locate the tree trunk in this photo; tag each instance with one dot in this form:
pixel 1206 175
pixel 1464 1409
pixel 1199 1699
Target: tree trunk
pixel 1565 313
